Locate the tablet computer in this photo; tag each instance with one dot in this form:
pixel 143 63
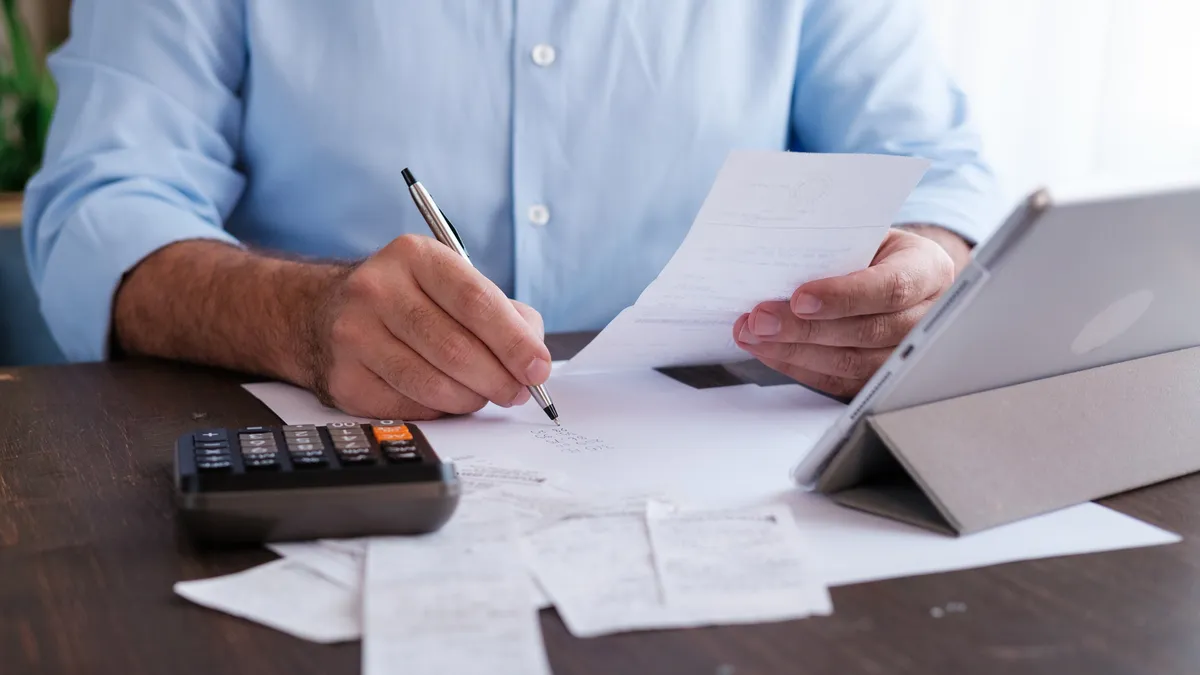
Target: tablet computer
pixel 1060 287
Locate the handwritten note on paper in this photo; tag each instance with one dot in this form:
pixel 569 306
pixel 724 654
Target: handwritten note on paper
pixel 772 221
pixel 565 440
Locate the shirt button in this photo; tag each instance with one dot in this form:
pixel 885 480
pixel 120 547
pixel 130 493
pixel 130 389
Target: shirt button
pixel 543 55
pixel 539 214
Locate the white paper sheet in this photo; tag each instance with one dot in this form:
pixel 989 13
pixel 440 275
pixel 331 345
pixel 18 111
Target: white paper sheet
pixel 283 595
pixel 751 562
pixel 482 473
pixel 341 566
pixel 599 571
pixel 736 445
pixel 454 601
pixel 771 222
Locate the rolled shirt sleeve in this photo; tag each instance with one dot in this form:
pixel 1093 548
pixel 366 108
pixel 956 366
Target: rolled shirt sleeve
pixel 140 154
pixel 870 79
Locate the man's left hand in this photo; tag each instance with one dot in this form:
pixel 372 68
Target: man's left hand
pixel 835 333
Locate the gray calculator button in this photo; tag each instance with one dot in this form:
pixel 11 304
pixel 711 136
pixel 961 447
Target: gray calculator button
pixel 302 447
pixel 259 452
pixel 213 464
pixel 300 434
pixel 347 445
pixel 211 444
pixel 262 463
pixel 307 462
pixel 209 435
pixel 212 452
pixel 255 437
pixel 299 427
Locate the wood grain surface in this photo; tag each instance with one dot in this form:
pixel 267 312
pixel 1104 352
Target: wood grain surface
pixel 89 550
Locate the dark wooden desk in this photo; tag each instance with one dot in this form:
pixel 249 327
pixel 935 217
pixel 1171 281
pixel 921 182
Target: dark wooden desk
pixel 89 551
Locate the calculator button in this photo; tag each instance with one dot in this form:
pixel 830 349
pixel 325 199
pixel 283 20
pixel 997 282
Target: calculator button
pixel 307 453
pixel 213 464
pixel 387 423
pixel 306 433
pixel 210 435
pixel 403 457
pixel 259 443
pixel 393 433
pixel 212 452
pixel 347 433
pixel 412 445
pixel 353 451
pixel 255 437
pixel 262 463
pixel 344 445
pixel 342 425
pixel 308 462
pixel 299 427
pixel 259 452
pixel 211 444
pixel 357 460
pixel 303 447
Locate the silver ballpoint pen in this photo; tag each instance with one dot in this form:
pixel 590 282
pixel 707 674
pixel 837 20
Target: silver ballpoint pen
pixel 445 233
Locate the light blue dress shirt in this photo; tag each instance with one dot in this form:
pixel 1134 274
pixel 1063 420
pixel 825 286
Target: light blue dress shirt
pixel 571 142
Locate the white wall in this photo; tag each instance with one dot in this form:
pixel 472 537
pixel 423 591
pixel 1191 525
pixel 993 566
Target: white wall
pixel 1080 93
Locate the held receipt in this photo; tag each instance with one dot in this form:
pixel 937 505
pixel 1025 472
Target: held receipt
pixel 772 221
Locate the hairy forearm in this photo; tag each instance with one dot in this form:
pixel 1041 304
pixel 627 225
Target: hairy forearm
pixel 215 304
pixel 956 246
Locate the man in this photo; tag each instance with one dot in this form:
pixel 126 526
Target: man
pixel 197 141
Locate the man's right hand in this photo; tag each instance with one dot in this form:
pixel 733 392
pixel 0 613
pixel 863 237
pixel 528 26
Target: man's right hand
pixel 414 332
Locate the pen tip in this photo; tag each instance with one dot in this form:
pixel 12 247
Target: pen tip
pixel 408 177
pixel 557 423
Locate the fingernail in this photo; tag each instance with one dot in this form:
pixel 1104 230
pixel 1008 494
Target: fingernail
pixel 806 304
pixel 538 371
pixel 766 324
pixel 521 398
pixel 747 337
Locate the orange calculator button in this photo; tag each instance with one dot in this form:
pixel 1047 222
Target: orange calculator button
pixel 393 433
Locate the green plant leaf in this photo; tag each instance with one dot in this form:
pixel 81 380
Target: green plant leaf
pixel 21 46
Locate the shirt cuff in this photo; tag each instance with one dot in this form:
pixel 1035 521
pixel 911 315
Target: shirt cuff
pixel 94 250
pixel 972 216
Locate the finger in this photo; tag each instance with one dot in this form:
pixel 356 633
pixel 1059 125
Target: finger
pixel 773 322
pixel 532 317
pixel 845 362
pixel 479 306
pixel 416 321
pixel 406 371
pixel 357 391
pixel 904 278
pixel 829 384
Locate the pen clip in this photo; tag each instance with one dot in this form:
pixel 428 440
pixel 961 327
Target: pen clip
pixel 453 231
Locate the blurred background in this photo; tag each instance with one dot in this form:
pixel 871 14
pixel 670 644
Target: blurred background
pixel 1082 96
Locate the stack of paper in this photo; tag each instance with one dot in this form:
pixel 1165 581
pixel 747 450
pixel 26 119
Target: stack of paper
pixel 466 597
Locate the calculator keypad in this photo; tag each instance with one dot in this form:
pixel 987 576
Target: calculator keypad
pixel 305 447
pixel 212 451
pixel 396 441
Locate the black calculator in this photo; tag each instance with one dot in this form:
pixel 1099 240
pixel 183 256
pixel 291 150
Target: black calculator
pixel 300 482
